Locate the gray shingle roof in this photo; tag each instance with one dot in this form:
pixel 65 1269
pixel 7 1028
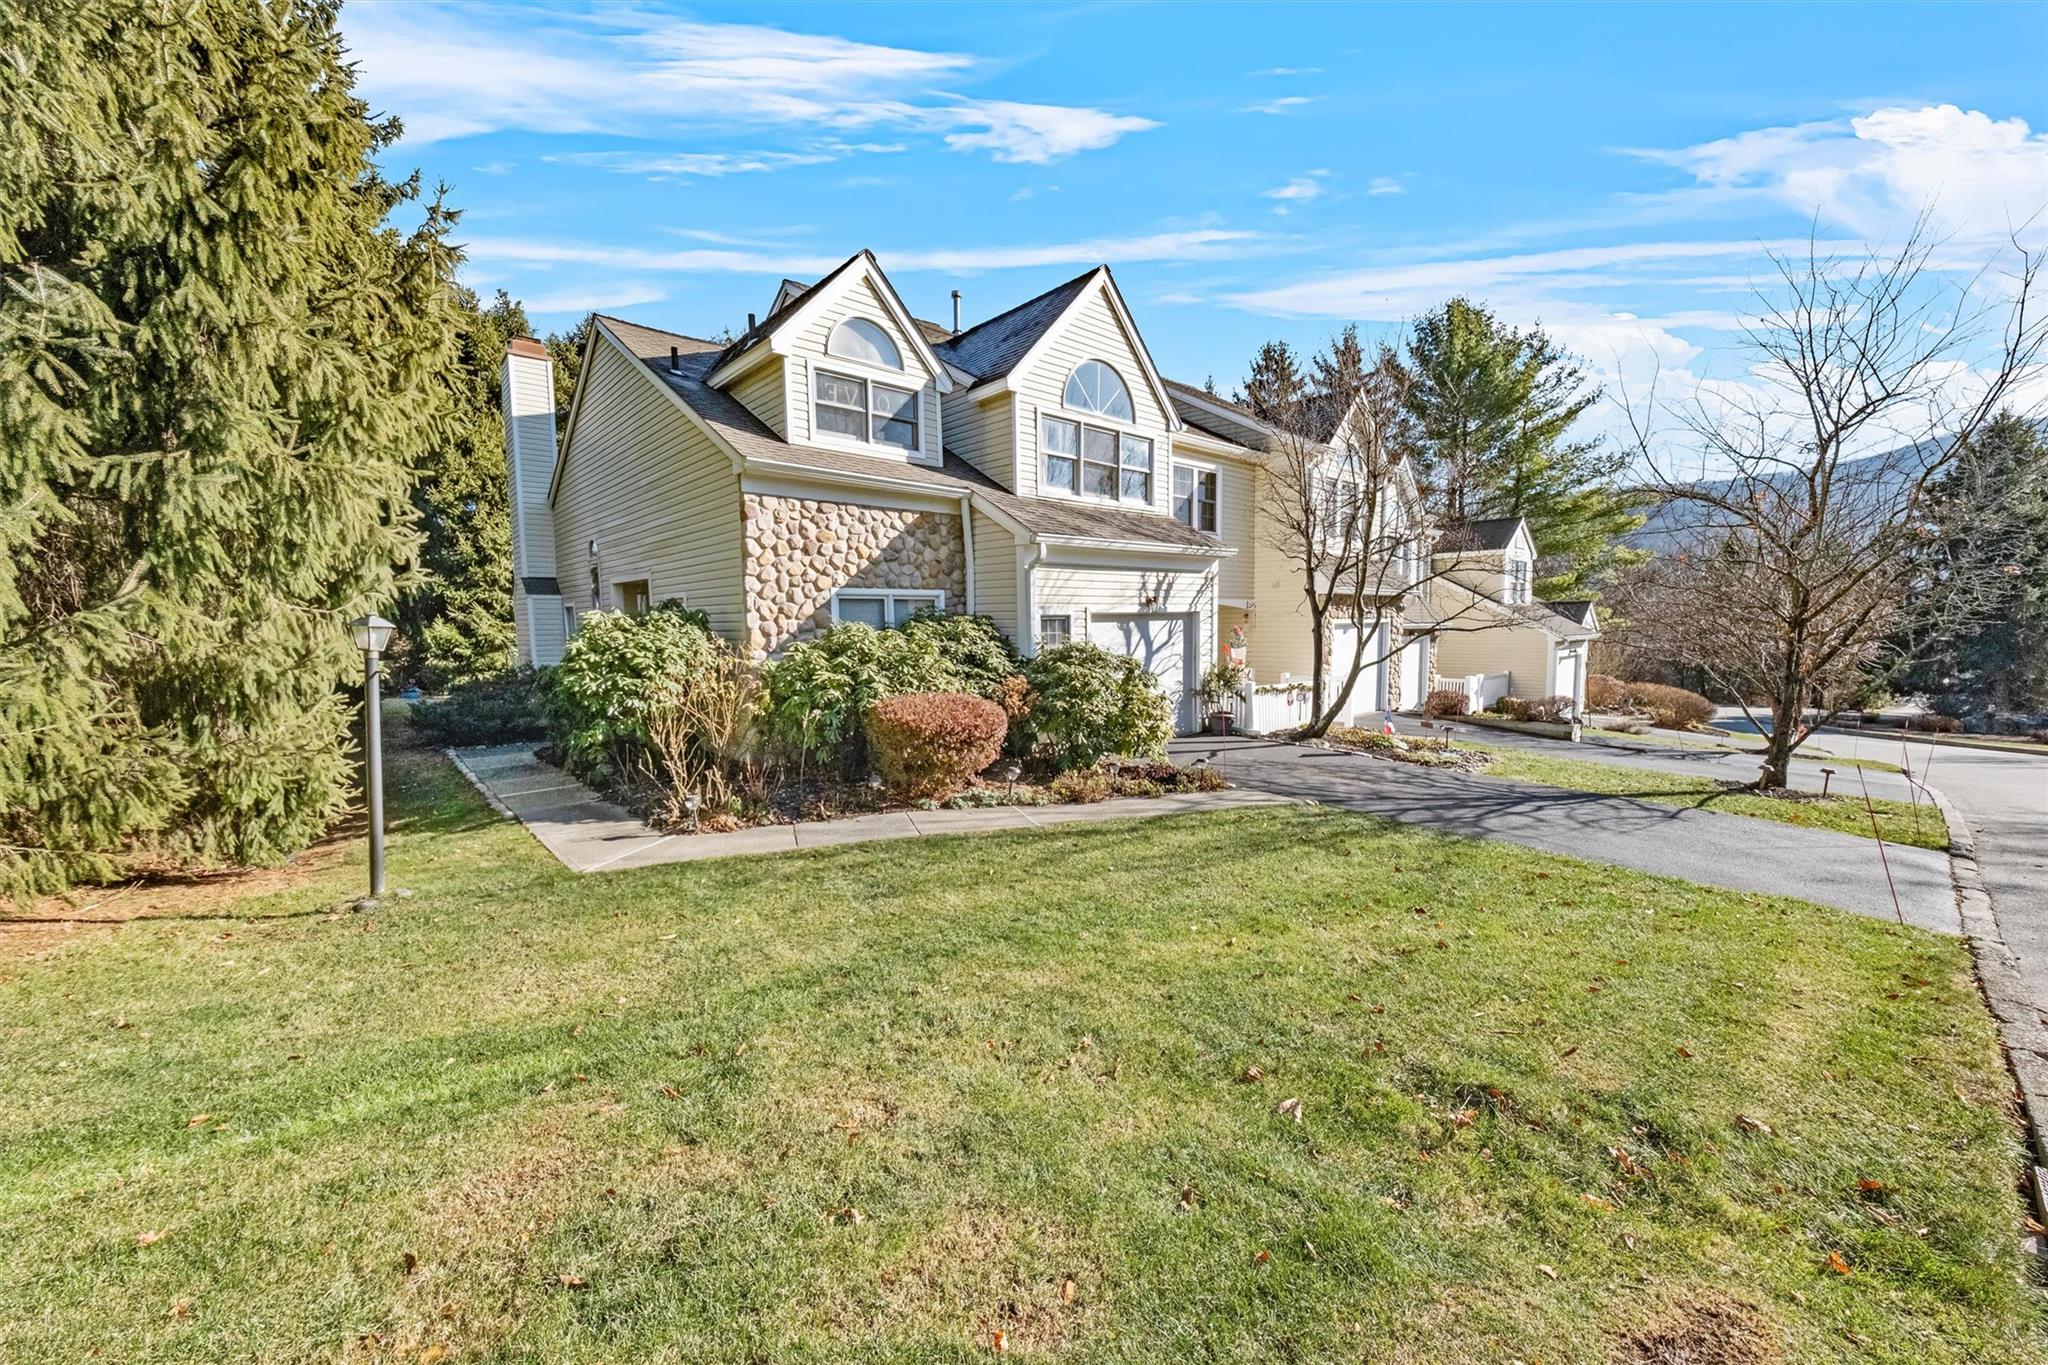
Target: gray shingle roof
pixel 993 348
pixel 1198 408
pixel 1581 612
pixel 1490 533
pixel 757 441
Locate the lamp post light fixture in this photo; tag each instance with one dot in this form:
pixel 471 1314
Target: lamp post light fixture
pixel 371 634
pixel 691 802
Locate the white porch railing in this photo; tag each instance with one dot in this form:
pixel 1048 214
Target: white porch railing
pixel 1480 690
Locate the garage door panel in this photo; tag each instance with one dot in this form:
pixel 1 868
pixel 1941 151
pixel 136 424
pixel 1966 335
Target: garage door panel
pixel 1162 644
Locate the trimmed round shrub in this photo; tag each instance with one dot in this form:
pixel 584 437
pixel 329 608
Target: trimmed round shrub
pixel 1445 702
pixel 927 744
pixel 500 710
pixel 613 673
pixel 818 690
pixel 1605 693
pixel 1087 702
pixel 978 654
pixel 1511 708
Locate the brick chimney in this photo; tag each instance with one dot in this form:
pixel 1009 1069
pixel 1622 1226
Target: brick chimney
pixel 528 391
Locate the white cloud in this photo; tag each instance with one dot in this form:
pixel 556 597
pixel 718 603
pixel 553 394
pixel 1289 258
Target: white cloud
pixel 1285 104
pixel 1300 189
pixel 453 71
pixel 1385 184
pixel 1873 174
pixel 1192 245
pixel 664 165
pixel 1290 71
pixel 496 168
pixel 590 298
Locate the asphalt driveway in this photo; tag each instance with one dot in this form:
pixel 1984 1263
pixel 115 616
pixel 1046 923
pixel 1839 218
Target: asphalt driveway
pixel 1731 851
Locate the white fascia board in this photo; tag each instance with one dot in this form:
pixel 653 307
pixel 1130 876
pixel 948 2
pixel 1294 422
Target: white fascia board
pixel 818 296
pixel 1078 549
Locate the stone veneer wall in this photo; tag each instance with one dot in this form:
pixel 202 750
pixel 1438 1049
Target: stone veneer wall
pixel 799 551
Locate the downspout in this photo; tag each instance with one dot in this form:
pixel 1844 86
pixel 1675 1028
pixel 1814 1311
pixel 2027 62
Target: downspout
pixel 967 546
pixel 1027 600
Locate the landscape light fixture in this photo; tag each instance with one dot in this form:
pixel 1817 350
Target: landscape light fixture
pixel 691 801
pixel 1011 772
pixel 1826 776
pixel 371 634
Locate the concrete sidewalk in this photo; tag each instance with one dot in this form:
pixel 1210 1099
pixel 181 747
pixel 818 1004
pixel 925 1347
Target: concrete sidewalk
pixel 589 834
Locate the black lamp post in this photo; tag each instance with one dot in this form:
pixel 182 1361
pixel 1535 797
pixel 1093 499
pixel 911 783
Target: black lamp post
pixel 371 633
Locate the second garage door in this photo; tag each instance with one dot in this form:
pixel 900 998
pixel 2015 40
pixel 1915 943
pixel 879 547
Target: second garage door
pixel 1166 645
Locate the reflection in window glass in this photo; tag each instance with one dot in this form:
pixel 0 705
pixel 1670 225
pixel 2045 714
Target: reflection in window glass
pixel 1098 462
pixel 1061 442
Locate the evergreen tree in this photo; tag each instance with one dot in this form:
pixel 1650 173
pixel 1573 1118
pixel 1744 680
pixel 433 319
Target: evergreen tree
pixel 566 350
pixel 457 624
pixel 1494 408
pixel 219 363
pixel 1276 386
pixel 1993 510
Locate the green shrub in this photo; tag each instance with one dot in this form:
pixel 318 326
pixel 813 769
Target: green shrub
pixel 1110 777
pixel 1445 701
pixel 614 671
pixel 978 654
pixel 1933 723
pixel 1088 702
pixel 1510 708
pixel 501 710
pixel 927 744
pixel 818 690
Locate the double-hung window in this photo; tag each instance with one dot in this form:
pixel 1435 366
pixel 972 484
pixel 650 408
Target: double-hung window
pixel 1194 497
pixel 1054 631
pixel 1094 461
pixel 1518 580
pixel 867 410
pixel 882 609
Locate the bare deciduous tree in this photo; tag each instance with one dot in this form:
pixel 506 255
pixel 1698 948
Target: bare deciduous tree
pixel 1791 574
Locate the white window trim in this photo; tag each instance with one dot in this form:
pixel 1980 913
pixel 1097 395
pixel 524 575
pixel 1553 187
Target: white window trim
pixel 1100 423
pixel 935 597
pixel 1129 397
pixel 865 374
pixel 1199 467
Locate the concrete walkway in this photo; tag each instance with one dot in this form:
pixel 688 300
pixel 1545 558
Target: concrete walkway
pixel 1732 851
pixel 590 834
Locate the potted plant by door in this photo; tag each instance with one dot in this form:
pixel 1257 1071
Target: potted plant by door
pixel 1223 682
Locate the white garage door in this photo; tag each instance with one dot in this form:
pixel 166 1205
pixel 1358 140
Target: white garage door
pixel 1368 696
pixel 1165 645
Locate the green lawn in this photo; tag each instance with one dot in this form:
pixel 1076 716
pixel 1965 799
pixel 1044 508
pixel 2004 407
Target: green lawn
pixel 881 1103
pixel 1900 822
pixel 1722 746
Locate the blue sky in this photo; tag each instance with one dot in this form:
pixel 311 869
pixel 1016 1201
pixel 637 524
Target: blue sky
pixel 1614 172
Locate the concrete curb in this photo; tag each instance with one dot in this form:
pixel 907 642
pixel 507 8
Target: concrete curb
pixel 2020 1026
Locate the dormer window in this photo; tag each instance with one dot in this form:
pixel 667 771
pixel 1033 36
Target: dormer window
pixel 1094 387
pixel 1516 583
pixel 859 339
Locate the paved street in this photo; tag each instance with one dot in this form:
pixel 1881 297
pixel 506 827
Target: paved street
pixel 1730 851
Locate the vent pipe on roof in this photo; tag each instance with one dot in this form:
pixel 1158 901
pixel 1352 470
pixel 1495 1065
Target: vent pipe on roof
pixel 750 322
pixel 674 362
pixel 956 310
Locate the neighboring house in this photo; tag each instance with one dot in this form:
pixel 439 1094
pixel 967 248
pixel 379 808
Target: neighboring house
pixel 843 460
pixel 1518 646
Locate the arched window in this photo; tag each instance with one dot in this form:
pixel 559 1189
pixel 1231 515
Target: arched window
pixel 859 339
pixel 1094 387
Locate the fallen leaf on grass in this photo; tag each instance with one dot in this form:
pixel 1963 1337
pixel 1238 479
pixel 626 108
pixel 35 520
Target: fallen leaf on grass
pixel 1837 1263
pixel 198 1119
pixel 572 1281
pixel 1262 1257
pixel 1547 1271
pixel 669 1092
pixel 999 1341
pixel 1685 1052
pixel 1869 1186
pixel 1252 1073
pixel 1069 1290
pixel 1189 1199
pixel 849 1215
pixel 1750 1125
pixel 432 1354
pixel 1290 1107
pixel 121 1021
pixel 143 1239
pixel 182 1308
